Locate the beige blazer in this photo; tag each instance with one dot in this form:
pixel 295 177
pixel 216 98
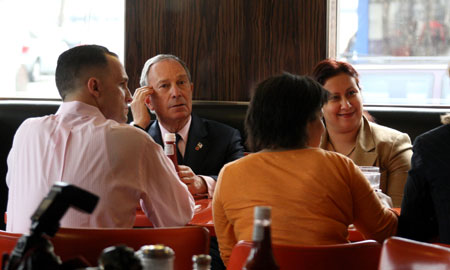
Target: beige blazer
pixel 386 148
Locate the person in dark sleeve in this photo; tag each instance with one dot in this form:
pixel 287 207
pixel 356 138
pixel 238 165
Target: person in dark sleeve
pixel 205 145
pixel 425 214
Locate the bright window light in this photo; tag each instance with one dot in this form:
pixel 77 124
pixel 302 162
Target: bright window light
pixel 400 48
pixel 35 32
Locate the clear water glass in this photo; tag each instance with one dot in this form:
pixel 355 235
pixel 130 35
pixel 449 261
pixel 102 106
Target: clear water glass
pixel 372 174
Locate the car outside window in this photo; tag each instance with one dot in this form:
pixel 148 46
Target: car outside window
pixel 400 48
pixel 403 84
pixel 38 31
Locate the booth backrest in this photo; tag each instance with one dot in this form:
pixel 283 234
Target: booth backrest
pixel 7 243
pixel 88 243
pixel 348 256
pixel 401 253
pixel 14 112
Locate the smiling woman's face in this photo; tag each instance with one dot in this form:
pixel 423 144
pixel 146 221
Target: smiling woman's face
pixel 343 112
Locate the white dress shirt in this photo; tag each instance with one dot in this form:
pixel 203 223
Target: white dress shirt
pixel 184 133
pixel 119 163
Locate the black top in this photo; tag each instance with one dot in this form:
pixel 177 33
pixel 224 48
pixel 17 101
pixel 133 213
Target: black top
pixel 425 213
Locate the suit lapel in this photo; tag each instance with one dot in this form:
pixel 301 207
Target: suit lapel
pixel 155 133
pixel 197 144
pixel 365 152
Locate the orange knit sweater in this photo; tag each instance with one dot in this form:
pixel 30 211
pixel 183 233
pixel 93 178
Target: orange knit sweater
pixel 314 194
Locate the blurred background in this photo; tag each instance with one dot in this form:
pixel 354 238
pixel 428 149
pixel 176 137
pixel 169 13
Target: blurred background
pixel 401 48
pixel 35 32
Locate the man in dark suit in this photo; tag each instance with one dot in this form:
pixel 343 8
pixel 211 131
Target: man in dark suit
pixel 425 214
pixel 205 145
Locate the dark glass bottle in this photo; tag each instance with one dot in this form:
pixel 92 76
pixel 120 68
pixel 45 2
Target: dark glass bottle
pixel 261 255
pixel 170 148
pixel 201 262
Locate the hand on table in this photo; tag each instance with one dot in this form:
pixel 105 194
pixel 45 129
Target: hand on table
pixel 385 199
pixel 141 116
pixel 195 184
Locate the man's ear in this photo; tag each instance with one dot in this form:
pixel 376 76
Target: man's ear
pixel 93 86
pixel 148 103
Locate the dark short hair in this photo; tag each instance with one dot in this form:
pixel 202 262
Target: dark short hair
pixel 76 60
pixel 158 58
pixel 328 68
pixel 279 111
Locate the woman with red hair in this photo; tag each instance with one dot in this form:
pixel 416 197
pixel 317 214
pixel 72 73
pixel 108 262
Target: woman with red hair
pixel 350 133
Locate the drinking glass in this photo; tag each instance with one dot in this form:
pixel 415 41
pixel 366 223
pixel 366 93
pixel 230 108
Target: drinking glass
pixel 372 174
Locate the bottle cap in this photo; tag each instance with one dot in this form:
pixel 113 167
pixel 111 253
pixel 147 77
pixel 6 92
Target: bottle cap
pixel 202 259
pixel 262 212
pixel 155 252
pixel 169 137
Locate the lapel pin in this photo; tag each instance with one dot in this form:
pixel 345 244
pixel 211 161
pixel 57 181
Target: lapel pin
pixel 199 146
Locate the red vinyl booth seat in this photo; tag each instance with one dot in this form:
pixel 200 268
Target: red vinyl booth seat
pixel 405 254
pixel 7 243
pixel 88 244
pixel 358 255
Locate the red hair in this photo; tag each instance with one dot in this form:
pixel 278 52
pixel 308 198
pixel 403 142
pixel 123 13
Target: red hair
pixel 328 68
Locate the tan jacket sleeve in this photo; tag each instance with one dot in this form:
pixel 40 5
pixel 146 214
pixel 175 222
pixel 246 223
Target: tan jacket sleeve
pixel 398 164
pixel 379 222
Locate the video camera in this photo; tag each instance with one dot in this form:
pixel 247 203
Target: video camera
pixel 34 251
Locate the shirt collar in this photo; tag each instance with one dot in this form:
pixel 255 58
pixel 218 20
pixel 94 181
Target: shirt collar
pixel 184 132
pixel 80 108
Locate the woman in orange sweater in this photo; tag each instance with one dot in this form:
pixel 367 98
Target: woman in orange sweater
pixel 314 194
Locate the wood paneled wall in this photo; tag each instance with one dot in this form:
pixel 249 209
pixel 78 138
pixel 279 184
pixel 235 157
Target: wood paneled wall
pixel 228 45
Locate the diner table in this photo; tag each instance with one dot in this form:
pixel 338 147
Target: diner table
pixel 203 217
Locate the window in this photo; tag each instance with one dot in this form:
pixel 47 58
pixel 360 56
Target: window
pixel 401 49
pixel 38 31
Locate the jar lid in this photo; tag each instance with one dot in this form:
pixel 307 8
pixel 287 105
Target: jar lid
pixel 202 259
pixel 169 137
pixel 155 252
pixel 262 212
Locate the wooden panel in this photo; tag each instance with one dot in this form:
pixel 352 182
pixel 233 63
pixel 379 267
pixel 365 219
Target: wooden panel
pixel 229 45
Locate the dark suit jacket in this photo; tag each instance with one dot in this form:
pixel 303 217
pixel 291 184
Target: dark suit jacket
pixel 220 144
pixel 425 213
